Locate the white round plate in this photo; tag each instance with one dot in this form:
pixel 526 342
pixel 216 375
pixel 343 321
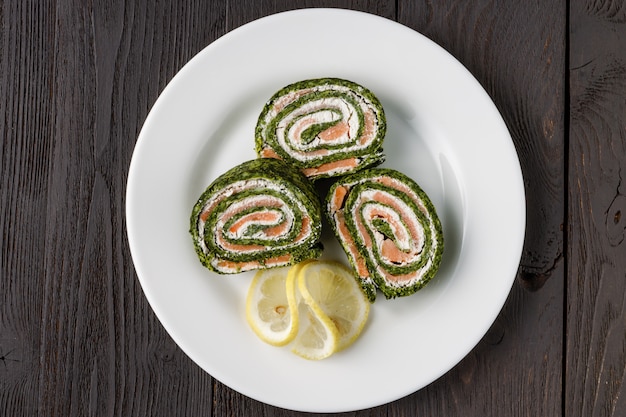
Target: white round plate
pixel 443 131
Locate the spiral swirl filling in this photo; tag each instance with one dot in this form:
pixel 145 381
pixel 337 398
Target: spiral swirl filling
pixel 255 223
pixel 324 127
pixel 389 230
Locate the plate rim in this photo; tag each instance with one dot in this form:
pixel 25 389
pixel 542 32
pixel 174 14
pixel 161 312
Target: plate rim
pixel 142 140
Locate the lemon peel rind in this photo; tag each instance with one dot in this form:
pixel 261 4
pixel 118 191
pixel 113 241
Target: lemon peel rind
pixel 346 340
pixel 276 338
pixel 331 332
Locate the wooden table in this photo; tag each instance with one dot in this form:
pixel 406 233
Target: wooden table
pixel 77 336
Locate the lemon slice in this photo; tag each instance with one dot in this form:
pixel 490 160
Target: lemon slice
pixel 271 309
pixel 318 337
pixel 331 290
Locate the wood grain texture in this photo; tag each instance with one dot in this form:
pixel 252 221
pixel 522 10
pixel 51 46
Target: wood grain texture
pixel 77 79
pixel 25 143
pixel 77 336
pixel 596 308
pixel 242 12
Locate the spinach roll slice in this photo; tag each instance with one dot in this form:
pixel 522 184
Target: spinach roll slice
pixel 388 228
pixel 326 127
pixel 260 214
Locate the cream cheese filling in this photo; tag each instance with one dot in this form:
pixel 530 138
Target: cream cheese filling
pixel 410 278
pixel 255 201
pixel 242 186
pixel 319 111
pixel 401 234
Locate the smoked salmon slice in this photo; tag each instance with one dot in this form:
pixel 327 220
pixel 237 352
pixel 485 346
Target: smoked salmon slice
pixel 389 229
pixel 260 214
pixel 325 127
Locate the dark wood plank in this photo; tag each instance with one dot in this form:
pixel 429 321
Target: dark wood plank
pixel 114 358
pixel 517 52
pixel 25 142
pixel 77 336
pixel 596 308
pixel 241 12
